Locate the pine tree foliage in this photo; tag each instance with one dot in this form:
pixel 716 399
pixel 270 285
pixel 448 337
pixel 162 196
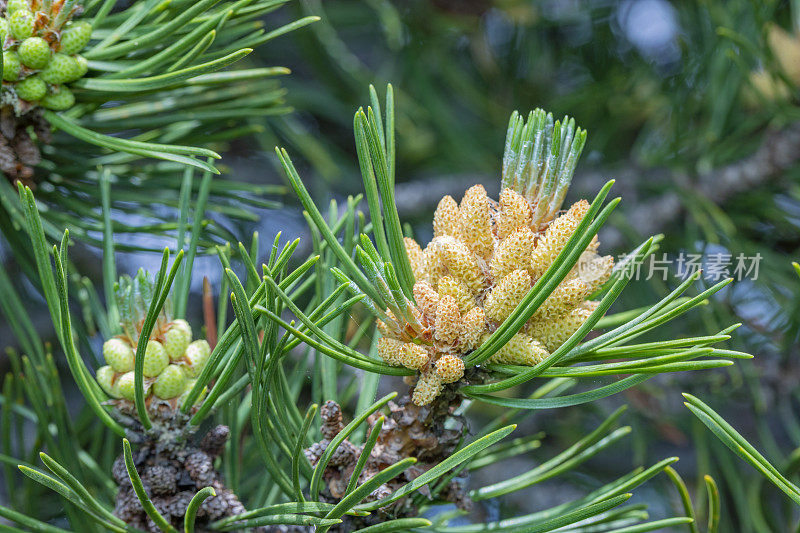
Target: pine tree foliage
pixel 159 91
pixel 700 129
pixel 379 284
pixel 113 465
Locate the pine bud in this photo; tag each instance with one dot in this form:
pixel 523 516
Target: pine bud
pixel 474 327
pixel 21 24
pixel 170 383
pixel 417 259
pixel 11 65
pixel 446 217
pixel 177 338
pixel 460 263
pixel 520 350
pixel 427 299
pixel 569 294
pixel 75 37
pixel 414 356
pixel 31 89
pixel 554 332
pixel 448 320
pixel 61 69
pixel 181 324
pixel 513 253
pixel 124 387
pixel 427 389
pixel 449 368
pixel 60 99
pixel 506 295
pixel 475 223
pixel 449 286
pixel 555 237
pixel 83 67
pixel 390 351
pixel 118 354
pixel 105 378
pixel 515 213
pixel 197 353
pixel 15 5
pixel 433 261
pixel 155 359
pixel 34 52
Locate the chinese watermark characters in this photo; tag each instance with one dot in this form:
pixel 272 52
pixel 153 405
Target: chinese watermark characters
pixel 715 266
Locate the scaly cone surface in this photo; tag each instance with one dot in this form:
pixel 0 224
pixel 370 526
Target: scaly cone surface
pixel 484 258
pixel 172 468
pixel 408 431
pixel 172 475
pixel 40 59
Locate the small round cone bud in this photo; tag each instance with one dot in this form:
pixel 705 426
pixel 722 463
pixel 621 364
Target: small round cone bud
pixel 427 389
pixel 513 253
pixel 181 324
pixel 177 339
pixel 520 350
pixel 506 296
pixel 61 100
pixel 21 24
pixel 11 66
pixel 390 350
pixel 105 378
pixel 433 260
pixel 15 5
pixel 197 353
pixel 3 30
pixel 155 359
pixel 189 386
pixel 416 257
pixel 414 356
pixel 515 212
pixel 34 52
pixel 124 387
pixel 555 332
pixel 571 293
pixel 75 37
pixel 445 218
pixel 83 67
pixel 558 233
pixel 426 299
pixel 119 355
pixel 449 286
pixel 448 320
pixel 170 383
pixel 61 69
pixel 474 327
pixel 31 89
pixel 475 222
pixel 449 368
pixel 459 261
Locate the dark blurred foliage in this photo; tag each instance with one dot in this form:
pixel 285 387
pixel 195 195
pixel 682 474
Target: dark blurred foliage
pixel 693 106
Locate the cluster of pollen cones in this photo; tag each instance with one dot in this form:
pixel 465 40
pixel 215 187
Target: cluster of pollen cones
pixel 484 258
